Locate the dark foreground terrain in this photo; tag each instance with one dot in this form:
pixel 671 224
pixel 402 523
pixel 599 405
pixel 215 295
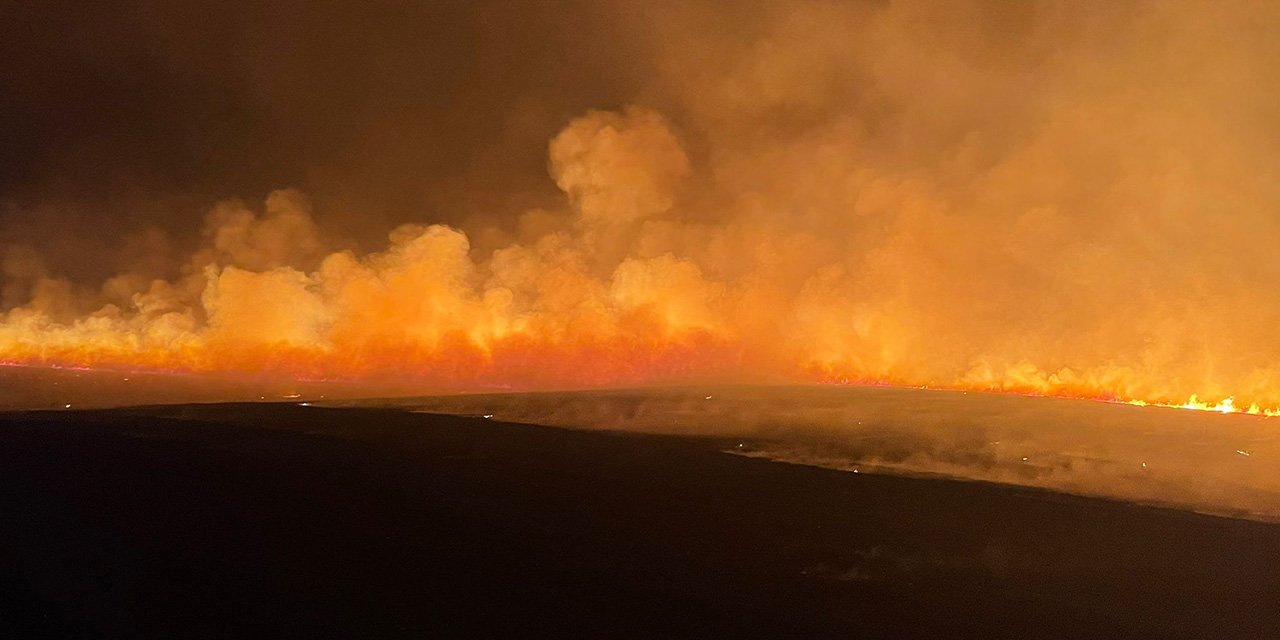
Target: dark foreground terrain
pixel 280 520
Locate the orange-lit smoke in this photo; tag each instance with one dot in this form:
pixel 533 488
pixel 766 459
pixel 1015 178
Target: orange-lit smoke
pixel 1048 199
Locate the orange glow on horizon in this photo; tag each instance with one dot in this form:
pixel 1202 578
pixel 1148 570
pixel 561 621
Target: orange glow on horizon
pixel 619 289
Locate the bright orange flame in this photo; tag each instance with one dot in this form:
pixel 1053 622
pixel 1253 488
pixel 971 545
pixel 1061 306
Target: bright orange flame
pixel 1226 405
pixel 616 290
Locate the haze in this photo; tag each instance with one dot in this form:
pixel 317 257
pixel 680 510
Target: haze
pixel 1061 198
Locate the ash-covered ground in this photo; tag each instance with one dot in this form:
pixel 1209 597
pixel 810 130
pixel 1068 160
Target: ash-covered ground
pixel 378 519
pixel 1204 461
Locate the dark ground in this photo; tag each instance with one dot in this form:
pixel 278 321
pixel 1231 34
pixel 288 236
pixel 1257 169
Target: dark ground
pixel 280 520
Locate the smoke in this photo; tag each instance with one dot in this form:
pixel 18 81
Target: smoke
pixel 1068 199
pixel 1196 460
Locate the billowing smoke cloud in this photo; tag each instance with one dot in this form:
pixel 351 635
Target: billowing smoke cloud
pixel 1075 199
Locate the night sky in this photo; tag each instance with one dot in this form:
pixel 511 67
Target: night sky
pixel 140 113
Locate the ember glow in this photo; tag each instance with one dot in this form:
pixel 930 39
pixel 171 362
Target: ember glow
pixel 1059 200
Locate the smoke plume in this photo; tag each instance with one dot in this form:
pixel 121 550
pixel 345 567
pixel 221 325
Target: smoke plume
pixel 1052 198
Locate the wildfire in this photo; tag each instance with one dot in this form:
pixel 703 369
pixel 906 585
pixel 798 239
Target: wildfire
pixel 1193 403
pixel 614 290
pixel 1226 405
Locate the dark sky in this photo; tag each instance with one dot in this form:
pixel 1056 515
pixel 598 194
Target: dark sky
pixel 136 113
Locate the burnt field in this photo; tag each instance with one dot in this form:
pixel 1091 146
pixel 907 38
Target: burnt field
pixel 250 520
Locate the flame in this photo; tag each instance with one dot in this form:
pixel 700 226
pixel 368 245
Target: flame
pixel 616 289
pixel 1226 405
